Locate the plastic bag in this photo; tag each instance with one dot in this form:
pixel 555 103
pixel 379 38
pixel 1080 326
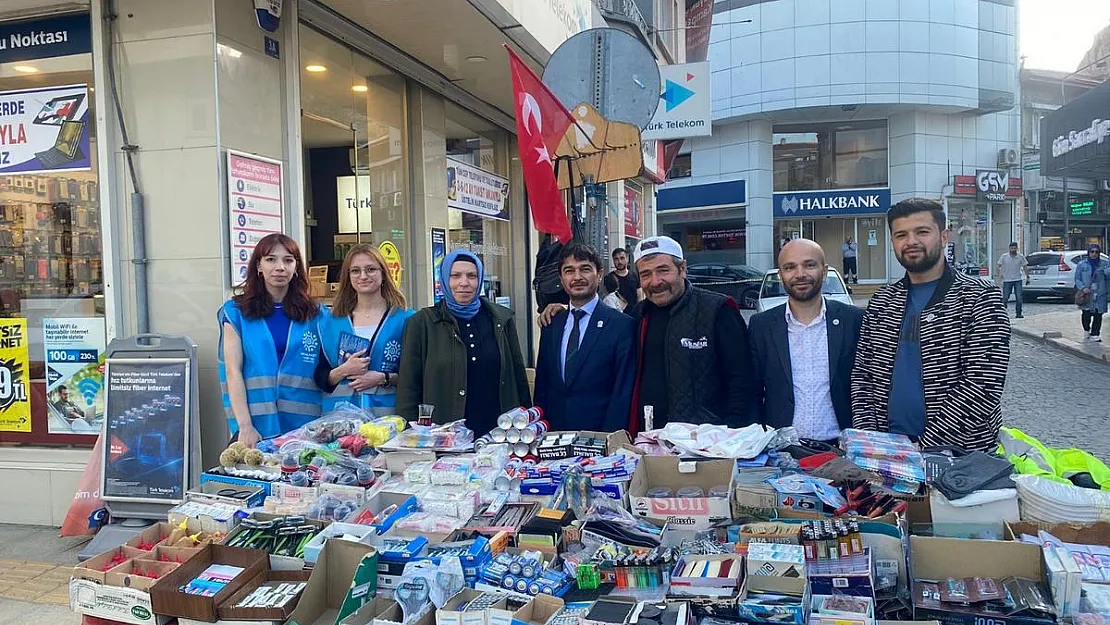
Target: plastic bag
pixel 445 436
pixel 86 514
pixel 345 420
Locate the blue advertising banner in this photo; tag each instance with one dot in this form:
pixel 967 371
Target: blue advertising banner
pixel 44 38
pixel 439 252
pixel 804 204
pixel 44 130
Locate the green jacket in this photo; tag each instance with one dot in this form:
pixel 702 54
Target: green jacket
pixel 433 363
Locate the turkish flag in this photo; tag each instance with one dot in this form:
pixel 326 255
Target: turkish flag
pixel 541 122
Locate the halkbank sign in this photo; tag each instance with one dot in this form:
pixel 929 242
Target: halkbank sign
pixel 805 204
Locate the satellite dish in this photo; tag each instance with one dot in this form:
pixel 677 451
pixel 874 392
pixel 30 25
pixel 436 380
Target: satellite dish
pixel 608 69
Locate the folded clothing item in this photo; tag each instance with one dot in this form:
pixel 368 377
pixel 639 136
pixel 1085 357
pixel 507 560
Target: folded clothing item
pixel 975 471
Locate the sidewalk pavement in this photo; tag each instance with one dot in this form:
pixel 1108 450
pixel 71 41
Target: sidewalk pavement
pixel 1063 331
pixel 35 566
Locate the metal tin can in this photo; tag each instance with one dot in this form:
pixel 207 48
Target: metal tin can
pixel 502 483
pixel 533 431
pixel 512 435
pixel 505 421
pixel 521 449
pixel 497 435
pixel 522 419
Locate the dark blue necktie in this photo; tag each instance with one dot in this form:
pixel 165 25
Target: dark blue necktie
pixel 572 344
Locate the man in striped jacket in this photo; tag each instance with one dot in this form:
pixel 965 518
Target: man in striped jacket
pixel 934 346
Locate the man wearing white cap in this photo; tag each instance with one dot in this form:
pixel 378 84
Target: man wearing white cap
pixel 694 363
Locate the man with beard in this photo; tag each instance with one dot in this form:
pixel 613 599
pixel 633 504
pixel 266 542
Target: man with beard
pixel 621 280
pixel 585 365
pixel 694 364
pixel 934 346
pixel 803 350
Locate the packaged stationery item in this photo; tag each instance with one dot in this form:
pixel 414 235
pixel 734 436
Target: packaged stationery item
pixel 212 580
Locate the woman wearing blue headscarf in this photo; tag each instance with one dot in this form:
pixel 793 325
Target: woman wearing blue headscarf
pixel 1092 284
pixel 462 355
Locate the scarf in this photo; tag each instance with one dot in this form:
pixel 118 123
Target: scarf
pixel 461 311
pixel 1096 260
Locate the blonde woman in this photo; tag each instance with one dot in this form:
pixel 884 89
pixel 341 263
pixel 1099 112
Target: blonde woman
pixel 370 314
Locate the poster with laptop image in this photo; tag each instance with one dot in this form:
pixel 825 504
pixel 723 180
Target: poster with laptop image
pixel 44 130
pixel 145 429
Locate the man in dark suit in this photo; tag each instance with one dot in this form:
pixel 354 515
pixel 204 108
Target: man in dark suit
pixel 585 368
pixel 804 350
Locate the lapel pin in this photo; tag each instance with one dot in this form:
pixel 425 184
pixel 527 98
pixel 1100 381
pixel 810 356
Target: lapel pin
pixel 600 324
pixel 836 322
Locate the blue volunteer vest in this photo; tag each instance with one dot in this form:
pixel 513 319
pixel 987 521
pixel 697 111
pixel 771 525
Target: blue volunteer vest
pixel 281 396
pixel 385 356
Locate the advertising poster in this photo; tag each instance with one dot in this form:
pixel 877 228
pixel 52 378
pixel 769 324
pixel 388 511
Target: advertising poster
pixel 633 212
pixel 392 257
pixel 439 252
pixel 74 350
pixel 15 381
pixel 44 130
pixel 255 206
pixel 476 191
pixel 144 454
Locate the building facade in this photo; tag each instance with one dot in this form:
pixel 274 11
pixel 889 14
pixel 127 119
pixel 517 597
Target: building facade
pixel 340 121
pixel 827 113
pixel 1064 212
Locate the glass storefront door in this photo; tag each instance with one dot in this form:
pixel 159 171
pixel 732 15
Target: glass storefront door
pixel 871 248
pixel 869 233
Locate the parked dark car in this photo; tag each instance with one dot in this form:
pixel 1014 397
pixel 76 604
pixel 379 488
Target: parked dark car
pixel 740 282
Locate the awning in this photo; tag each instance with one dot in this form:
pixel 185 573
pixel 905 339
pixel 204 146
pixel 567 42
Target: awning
pixel 1075 139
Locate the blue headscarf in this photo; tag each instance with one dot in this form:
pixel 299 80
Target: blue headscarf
pixel 1097 259
pixel 461 311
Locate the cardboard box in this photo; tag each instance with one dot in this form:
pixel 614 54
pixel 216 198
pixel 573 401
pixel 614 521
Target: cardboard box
pixel 939 558
pixel 817 617
pixel 538 610
pixel 151 536
pixel 995 513
pixel 380 608
pixel 361 533
pixel 1065 578
pixel 669 472
pixel 242 482
pixel 123 605
pixel 277 563
pixel 776 560
pixel 396 461
pixel 167 598
pixel 708 585
pixel 450 613
pixel 95 568
pixel 1080 534
pixel 344 579
pixel 848 576
pixel 228 611
pixel 136 574
pixel 557 445
pixel 748 608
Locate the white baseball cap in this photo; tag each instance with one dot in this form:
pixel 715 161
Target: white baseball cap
pixel 657 245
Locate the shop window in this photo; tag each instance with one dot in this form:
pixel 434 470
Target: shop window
pixel 681 168
pixel 836 155
pixel 51 264
pixel 478 196
pixel 353 116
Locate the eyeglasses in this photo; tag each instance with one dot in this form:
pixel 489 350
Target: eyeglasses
pixel 369 271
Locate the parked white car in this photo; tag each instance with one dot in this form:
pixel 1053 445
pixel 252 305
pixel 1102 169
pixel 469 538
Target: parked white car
pixel 773 293
pixel 1052 274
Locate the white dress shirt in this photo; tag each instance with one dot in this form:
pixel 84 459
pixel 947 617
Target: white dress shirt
pixel 589 308
pixel 814 415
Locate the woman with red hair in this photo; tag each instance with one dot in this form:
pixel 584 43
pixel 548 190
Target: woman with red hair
pixel 269 348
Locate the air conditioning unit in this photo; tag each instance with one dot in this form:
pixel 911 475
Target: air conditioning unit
pixel 1007 157
pixel 1104 185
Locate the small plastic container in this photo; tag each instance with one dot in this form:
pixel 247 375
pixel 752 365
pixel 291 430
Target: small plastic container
pixel 661 492
pixel 690 492
pixel 719 492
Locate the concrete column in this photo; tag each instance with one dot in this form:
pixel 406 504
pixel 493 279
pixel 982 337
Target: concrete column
pixel 760 211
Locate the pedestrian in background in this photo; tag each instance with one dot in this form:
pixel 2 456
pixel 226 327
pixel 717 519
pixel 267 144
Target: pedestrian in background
pixel 269 348
pixel 1092 284
pixel 371 307
pixel 934 346
pixel 622 281
pixel 1011 266
pixel 851 271
pixel 803 351
pixel 462 355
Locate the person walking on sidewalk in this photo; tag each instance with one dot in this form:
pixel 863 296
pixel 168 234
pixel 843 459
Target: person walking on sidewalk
pixel 851 271
pixel 1010 267
pixel 1092 284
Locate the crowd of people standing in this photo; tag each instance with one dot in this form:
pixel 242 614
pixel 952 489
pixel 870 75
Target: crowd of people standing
pixel 635 349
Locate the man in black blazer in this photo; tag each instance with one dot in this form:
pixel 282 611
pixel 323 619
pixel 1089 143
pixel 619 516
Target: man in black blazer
pixel 585 368
pixel 804 350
